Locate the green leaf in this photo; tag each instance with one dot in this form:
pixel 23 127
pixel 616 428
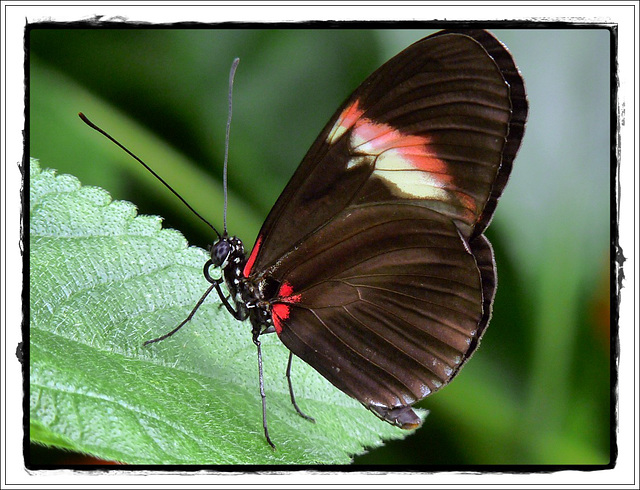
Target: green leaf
pixel 103 280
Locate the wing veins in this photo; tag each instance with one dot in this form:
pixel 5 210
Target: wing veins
pixel 384 252
pixel 404 275
pixel 418 361
pixel 332 333
pixel 364 230
pixel 452 327
pixel 302 290
pixel 398 293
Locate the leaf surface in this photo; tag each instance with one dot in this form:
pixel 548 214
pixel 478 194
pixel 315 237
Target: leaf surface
pixel 102 281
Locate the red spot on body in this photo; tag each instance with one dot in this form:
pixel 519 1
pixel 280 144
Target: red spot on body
pixel 252 257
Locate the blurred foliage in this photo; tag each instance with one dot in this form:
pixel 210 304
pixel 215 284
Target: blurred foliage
pixel 538 390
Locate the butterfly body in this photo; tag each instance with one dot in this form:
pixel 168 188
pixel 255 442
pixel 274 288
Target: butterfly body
pixel 372 266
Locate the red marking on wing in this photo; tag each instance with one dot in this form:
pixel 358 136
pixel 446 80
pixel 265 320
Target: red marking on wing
pixel 281 310
pixel 252 257
pixel 413 150
pixel 279 313
pixel 348 118
pixel 350 115
pixel 376 139
pixel 284 293
pixel 285 290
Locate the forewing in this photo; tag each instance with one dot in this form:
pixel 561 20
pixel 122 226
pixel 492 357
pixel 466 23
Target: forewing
pixel 439 124
pixel 386 302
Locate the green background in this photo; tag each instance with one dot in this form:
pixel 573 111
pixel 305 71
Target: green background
pixel 538 389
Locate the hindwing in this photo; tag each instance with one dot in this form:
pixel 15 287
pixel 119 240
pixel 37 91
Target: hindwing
pixel 386 302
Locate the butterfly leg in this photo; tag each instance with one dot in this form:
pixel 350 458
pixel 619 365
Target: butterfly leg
pixel 262 394
pixel 227 297
pixel 238 315
pixel 293 398
pixel 193 312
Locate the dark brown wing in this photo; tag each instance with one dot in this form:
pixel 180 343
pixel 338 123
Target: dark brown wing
pixel 373 257
pixel 386 302
pixel 519 113
pixel 438 124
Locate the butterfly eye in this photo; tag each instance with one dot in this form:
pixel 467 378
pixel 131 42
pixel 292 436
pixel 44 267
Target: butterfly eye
pixel 220 253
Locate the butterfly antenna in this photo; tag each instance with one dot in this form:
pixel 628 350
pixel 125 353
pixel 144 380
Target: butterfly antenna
pixel 232 74
pixel 104 133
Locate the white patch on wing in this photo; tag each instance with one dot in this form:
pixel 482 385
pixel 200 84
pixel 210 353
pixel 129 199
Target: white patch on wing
pixel 336 132
pixel 413 184
pixel 402 160
pixel 425 391
pixel 397 169
pixel 360 160
pixel 406 162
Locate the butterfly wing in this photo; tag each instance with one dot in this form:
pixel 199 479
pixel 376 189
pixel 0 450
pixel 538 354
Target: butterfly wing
pixel 386 302
pixel 440 124
pixel 373 257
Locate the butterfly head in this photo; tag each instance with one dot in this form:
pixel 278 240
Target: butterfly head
pixel 225 250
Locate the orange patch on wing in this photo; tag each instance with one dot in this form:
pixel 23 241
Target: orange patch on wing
pixel 347 119
pixel 399 156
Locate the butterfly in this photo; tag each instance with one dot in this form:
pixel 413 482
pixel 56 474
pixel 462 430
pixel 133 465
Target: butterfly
pixel 372 266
